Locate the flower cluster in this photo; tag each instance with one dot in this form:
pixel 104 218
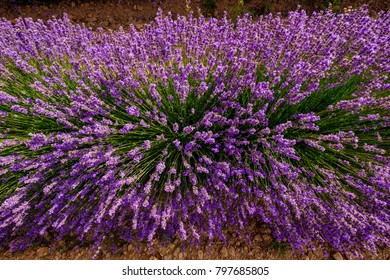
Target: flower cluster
pixel 192 125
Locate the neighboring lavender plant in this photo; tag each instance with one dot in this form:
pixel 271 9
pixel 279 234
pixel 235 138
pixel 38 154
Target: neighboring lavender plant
pixel 192 126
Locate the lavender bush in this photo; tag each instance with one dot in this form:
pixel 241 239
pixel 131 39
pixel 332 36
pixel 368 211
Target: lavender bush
pixel 191 126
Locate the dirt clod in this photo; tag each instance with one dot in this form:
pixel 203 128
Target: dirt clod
pixel 224 252
pixel 42 252
pixel 232 252
pixel 257 238
pixel 200 255
pixel 337 256
pixel 176 252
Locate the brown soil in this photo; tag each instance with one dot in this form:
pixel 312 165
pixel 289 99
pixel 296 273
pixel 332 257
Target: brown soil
pixel 263 246
pixel 114 13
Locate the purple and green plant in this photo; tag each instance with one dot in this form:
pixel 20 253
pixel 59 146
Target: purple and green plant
pixel 191 126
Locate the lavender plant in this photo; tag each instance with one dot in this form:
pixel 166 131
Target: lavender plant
pixel 192 125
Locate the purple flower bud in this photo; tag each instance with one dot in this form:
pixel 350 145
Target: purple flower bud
pixel 133 111
pixel 147 145
pixel 19 109
pixel 153 92
pixel 189 146
pixel 175 127
pixel 169 187
pixel 160 167
pixel 188 129
pixel 127 128
pixel 177 144
pixel 144 124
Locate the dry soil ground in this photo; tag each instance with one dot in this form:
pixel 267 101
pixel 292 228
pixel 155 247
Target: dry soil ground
pixel 114 13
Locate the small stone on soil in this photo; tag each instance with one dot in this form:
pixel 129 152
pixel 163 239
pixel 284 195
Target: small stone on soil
pixel 257 238
pixel 267 238
pixel 232 252
pixel 43 251
pixel 337 256
pixel 200 255
pixel 176 252
pixel 224 252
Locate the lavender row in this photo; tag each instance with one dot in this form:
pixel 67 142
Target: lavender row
pixel 191 126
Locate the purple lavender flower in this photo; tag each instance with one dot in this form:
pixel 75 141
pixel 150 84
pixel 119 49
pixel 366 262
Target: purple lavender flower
pixel 133 111
pixel 188 129
pixel 192 126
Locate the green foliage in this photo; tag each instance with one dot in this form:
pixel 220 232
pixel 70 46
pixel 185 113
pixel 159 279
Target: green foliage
pixel 281 248
pixel 236 10
pixel 209 5
pixel 267 7
pixel 335 6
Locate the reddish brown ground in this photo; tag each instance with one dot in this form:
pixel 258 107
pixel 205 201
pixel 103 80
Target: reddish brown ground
pixel 264 246
pixel 112 14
